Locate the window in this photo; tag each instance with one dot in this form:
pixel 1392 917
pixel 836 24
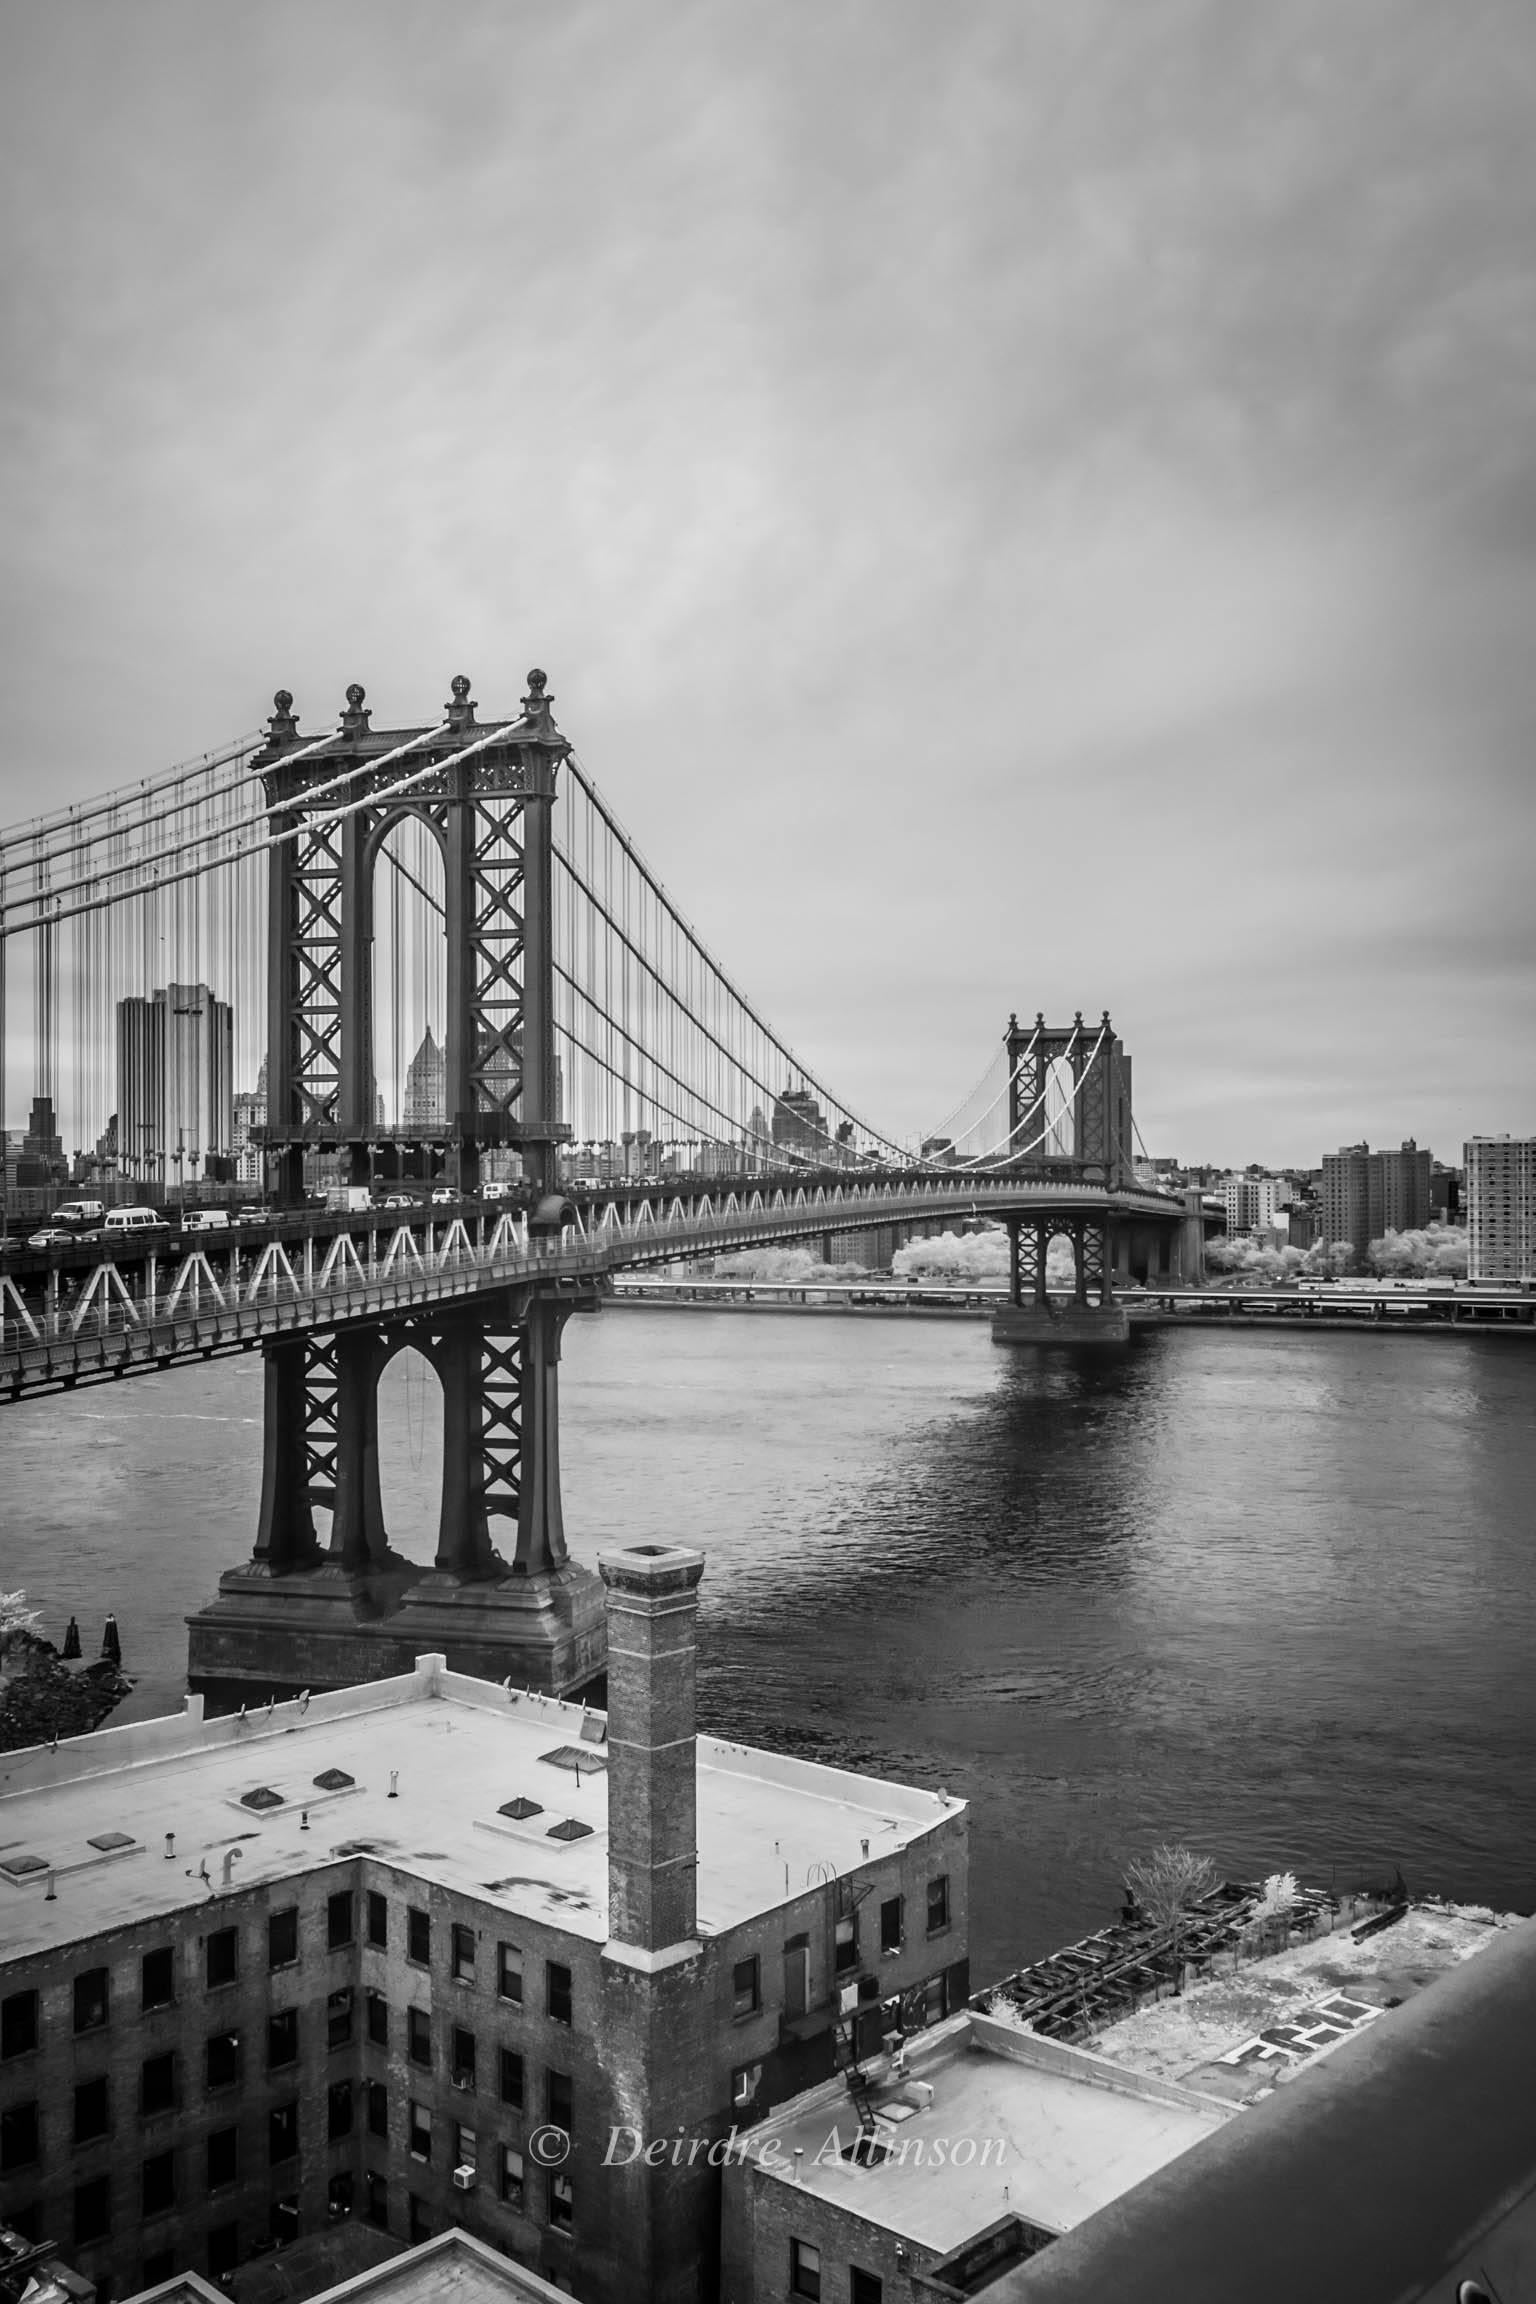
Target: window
pixel 224 2249
pixel 746 2080
pixel 510 2078
pixel 463 1953
pixel 221 1964
pixel 420 2139
pixel 378 2108
pixel 222 2068
pixel 562 2201
pixel 864 2287
pixel 378 1920
pixel 157 2184
pixel 558 2099
pixel 509 1973
pixel 282 2039
pixel 90 2000
pixel 338 1920
pixel 845 1954
pixel 93 2111
pixel 418 1937
pixel 18 2136
pixel 378 2019
pixel 557 1992
pixel 511 2176
pixel 466 2150
pixel 804 2269
pixel 933 2000
pixel 338 2111
pixel 746 1989
pixel 338 2196
pixel 418 2036
pixel 283 2219
pixel 376 2200
pixel 420 2219
pixel 462 2058
pixel 93 2210
pixel 282 2133
pixel 890 1924
pixel 157 2084
pixel 157 1978
pixel 938 1904
pixel 338 2017
pixel 18 2024
pixel 223 2157
pixel 283 1937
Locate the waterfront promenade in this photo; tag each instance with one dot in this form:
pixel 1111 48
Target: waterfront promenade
pixel 1435 1311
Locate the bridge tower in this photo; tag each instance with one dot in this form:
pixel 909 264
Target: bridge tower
pixel 1069 1123
pixel 302 1615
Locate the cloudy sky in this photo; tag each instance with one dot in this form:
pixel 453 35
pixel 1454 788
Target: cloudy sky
pixel 1022 505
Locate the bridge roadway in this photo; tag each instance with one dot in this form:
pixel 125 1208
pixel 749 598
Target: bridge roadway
pixel 83 1316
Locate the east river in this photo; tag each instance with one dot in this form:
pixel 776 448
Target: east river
pixel 1271 1595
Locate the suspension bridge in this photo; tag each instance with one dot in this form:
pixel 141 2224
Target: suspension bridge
pixel 492 1063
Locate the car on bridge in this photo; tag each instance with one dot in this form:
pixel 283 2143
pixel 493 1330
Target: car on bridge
pixel 53 1236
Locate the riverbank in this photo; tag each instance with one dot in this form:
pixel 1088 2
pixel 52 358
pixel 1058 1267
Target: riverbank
pixel 1205 1309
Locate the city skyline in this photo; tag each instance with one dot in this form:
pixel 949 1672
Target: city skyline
pixel 1208 548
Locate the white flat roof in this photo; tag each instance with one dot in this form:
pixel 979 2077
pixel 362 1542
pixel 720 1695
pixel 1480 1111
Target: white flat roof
pixel 1044 2132
pixel 92 1816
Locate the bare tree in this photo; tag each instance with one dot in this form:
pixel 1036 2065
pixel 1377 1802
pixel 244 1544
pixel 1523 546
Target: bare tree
pixel 1167 1883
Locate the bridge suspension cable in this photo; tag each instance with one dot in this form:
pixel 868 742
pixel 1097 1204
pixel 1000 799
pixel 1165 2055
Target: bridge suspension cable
pixel 158 891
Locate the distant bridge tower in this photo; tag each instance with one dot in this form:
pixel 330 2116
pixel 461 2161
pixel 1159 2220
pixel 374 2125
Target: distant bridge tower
pixel 1069 1122
pixel 298 1614
pixel 1069 1106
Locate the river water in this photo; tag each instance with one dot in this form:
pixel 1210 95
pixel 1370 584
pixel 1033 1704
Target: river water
pixel 1270 1594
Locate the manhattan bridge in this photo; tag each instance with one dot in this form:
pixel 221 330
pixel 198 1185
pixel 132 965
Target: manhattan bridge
pixel 609 1099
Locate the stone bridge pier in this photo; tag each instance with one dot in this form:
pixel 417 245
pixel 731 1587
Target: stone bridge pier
pixel 1092 1314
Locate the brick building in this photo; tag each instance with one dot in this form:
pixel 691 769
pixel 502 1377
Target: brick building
pixel 414 1951
pixel 1366 1194
pixel 978 2150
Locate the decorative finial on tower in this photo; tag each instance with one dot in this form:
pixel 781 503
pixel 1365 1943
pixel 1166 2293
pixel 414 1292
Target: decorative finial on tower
pixel 461 713
pixel 282 727
pixel 1078 1017
pixel 1106 1019
pixel 1039 1019
pixel 355 720
pixel 1013 1020
pixel 536 703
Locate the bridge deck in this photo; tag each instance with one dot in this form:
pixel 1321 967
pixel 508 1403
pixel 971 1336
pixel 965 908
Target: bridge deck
pixel 127 1317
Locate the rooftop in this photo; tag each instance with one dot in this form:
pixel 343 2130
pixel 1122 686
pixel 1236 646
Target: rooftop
pixel 454 2265
pixel 985 2122
pixel 494 1793
pixel 1242 2032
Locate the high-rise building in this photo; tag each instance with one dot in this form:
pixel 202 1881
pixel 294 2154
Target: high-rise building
pixel 1251 1203
pixel 1366 1193
pixel 175 1081
pixel 800 1126
pixel 425 1086
pixel 1500 1197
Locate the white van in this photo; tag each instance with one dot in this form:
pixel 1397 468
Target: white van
pixel 79 1212
pixel 135 1220
pixel 205 1220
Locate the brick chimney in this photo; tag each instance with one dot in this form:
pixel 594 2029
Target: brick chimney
pixel 653 1608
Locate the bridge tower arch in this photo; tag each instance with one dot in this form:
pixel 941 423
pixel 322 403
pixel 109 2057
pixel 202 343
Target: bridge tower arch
pixel 300 1614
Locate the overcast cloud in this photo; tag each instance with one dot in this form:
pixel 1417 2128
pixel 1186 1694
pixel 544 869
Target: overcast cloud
pixel 1022 505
